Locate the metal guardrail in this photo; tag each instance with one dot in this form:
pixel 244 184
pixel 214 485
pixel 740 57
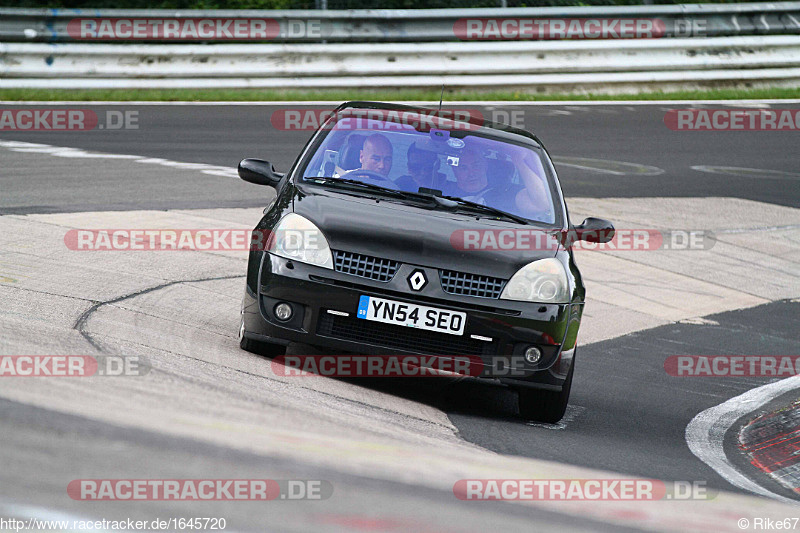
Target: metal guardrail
pixel 745 45
pixel 774 18
pixel 622 65
pixel 98 61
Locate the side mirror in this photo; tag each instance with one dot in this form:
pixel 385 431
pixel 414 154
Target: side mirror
pixel 259 172
pixel 595 230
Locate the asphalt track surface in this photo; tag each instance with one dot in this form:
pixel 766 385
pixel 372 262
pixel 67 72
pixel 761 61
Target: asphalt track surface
pixel 626 414
pixel 48 438
pixel 223 135
pixel 625 400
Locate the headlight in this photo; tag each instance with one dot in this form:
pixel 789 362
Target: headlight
pixel 297 238
pixel 543 281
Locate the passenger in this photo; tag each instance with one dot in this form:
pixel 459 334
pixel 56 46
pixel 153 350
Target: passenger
pixel 422 171
pixel 472 184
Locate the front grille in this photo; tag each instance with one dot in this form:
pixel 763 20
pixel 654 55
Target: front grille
pixel 364 266
pixel 466 284
pixel 399 337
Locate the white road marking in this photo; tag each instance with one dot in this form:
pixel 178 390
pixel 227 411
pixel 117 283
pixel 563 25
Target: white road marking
pixel 747 172
pixel 787 227
pixel 607 166
pixel 699 321
pixel 573 412
pixel 706 431
pixel 65 151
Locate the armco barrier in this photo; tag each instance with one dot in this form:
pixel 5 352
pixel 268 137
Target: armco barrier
pixel 688 20
pixel 740 45
pixel 615 65
pixel 97 61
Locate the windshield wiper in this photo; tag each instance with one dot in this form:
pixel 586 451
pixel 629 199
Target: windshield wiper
pixel 447 202
pixel 363 185
pixel 487 209
pixel 386 190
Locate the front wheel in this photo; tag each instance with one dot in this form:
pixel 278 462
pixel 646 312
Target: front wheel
pixel 267 349
pixel 544 405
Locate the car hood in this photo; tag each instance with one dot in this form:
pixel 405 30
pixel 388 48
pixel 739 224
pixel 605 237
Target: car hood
pixel 410 234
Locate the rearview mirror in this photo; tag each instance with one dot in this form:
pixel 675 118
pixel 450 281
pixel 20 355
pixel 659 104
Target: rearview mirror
pixel 595 230
pixel 259 172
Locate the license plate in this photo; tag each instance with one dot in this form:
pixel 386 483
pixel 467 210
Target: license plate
pixel 411 315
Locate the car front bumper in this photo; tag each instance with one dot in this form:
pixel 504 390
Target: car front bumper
pixel 498 331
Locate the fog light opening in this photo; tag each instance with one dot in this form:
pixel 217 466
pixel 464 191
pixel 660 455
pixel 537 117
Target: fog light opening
pixel 283 311
pixel 533 354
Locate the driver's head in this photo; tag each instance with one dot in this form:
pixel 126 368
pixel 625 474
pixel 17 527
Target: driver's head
pixel 376 155
pixel 422 165
pixel 471 171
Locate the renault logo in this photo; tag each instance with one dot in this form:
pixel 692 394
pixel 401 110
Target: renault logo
pixel 417 280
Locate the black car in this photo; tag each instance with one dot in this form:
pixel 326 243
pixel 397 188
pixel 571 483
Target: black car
pixel 400 230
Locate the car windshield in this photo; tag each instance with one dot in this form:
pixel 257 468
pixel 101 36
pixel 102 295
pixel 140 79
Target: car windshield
pixel 457 164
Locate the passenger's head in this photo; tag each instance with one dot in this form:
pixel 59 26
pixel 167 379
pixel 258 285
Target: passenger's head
pixel 422 165
pixel 376 155
pixel 471 171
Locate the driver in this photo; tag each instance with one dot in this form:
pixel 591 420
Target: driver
pixel 472 183
pixel 376 155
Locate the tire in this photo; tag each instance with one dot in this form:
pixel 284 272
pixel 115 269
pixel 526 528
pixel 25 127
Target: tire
pixel 267 349
pixel 544 405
